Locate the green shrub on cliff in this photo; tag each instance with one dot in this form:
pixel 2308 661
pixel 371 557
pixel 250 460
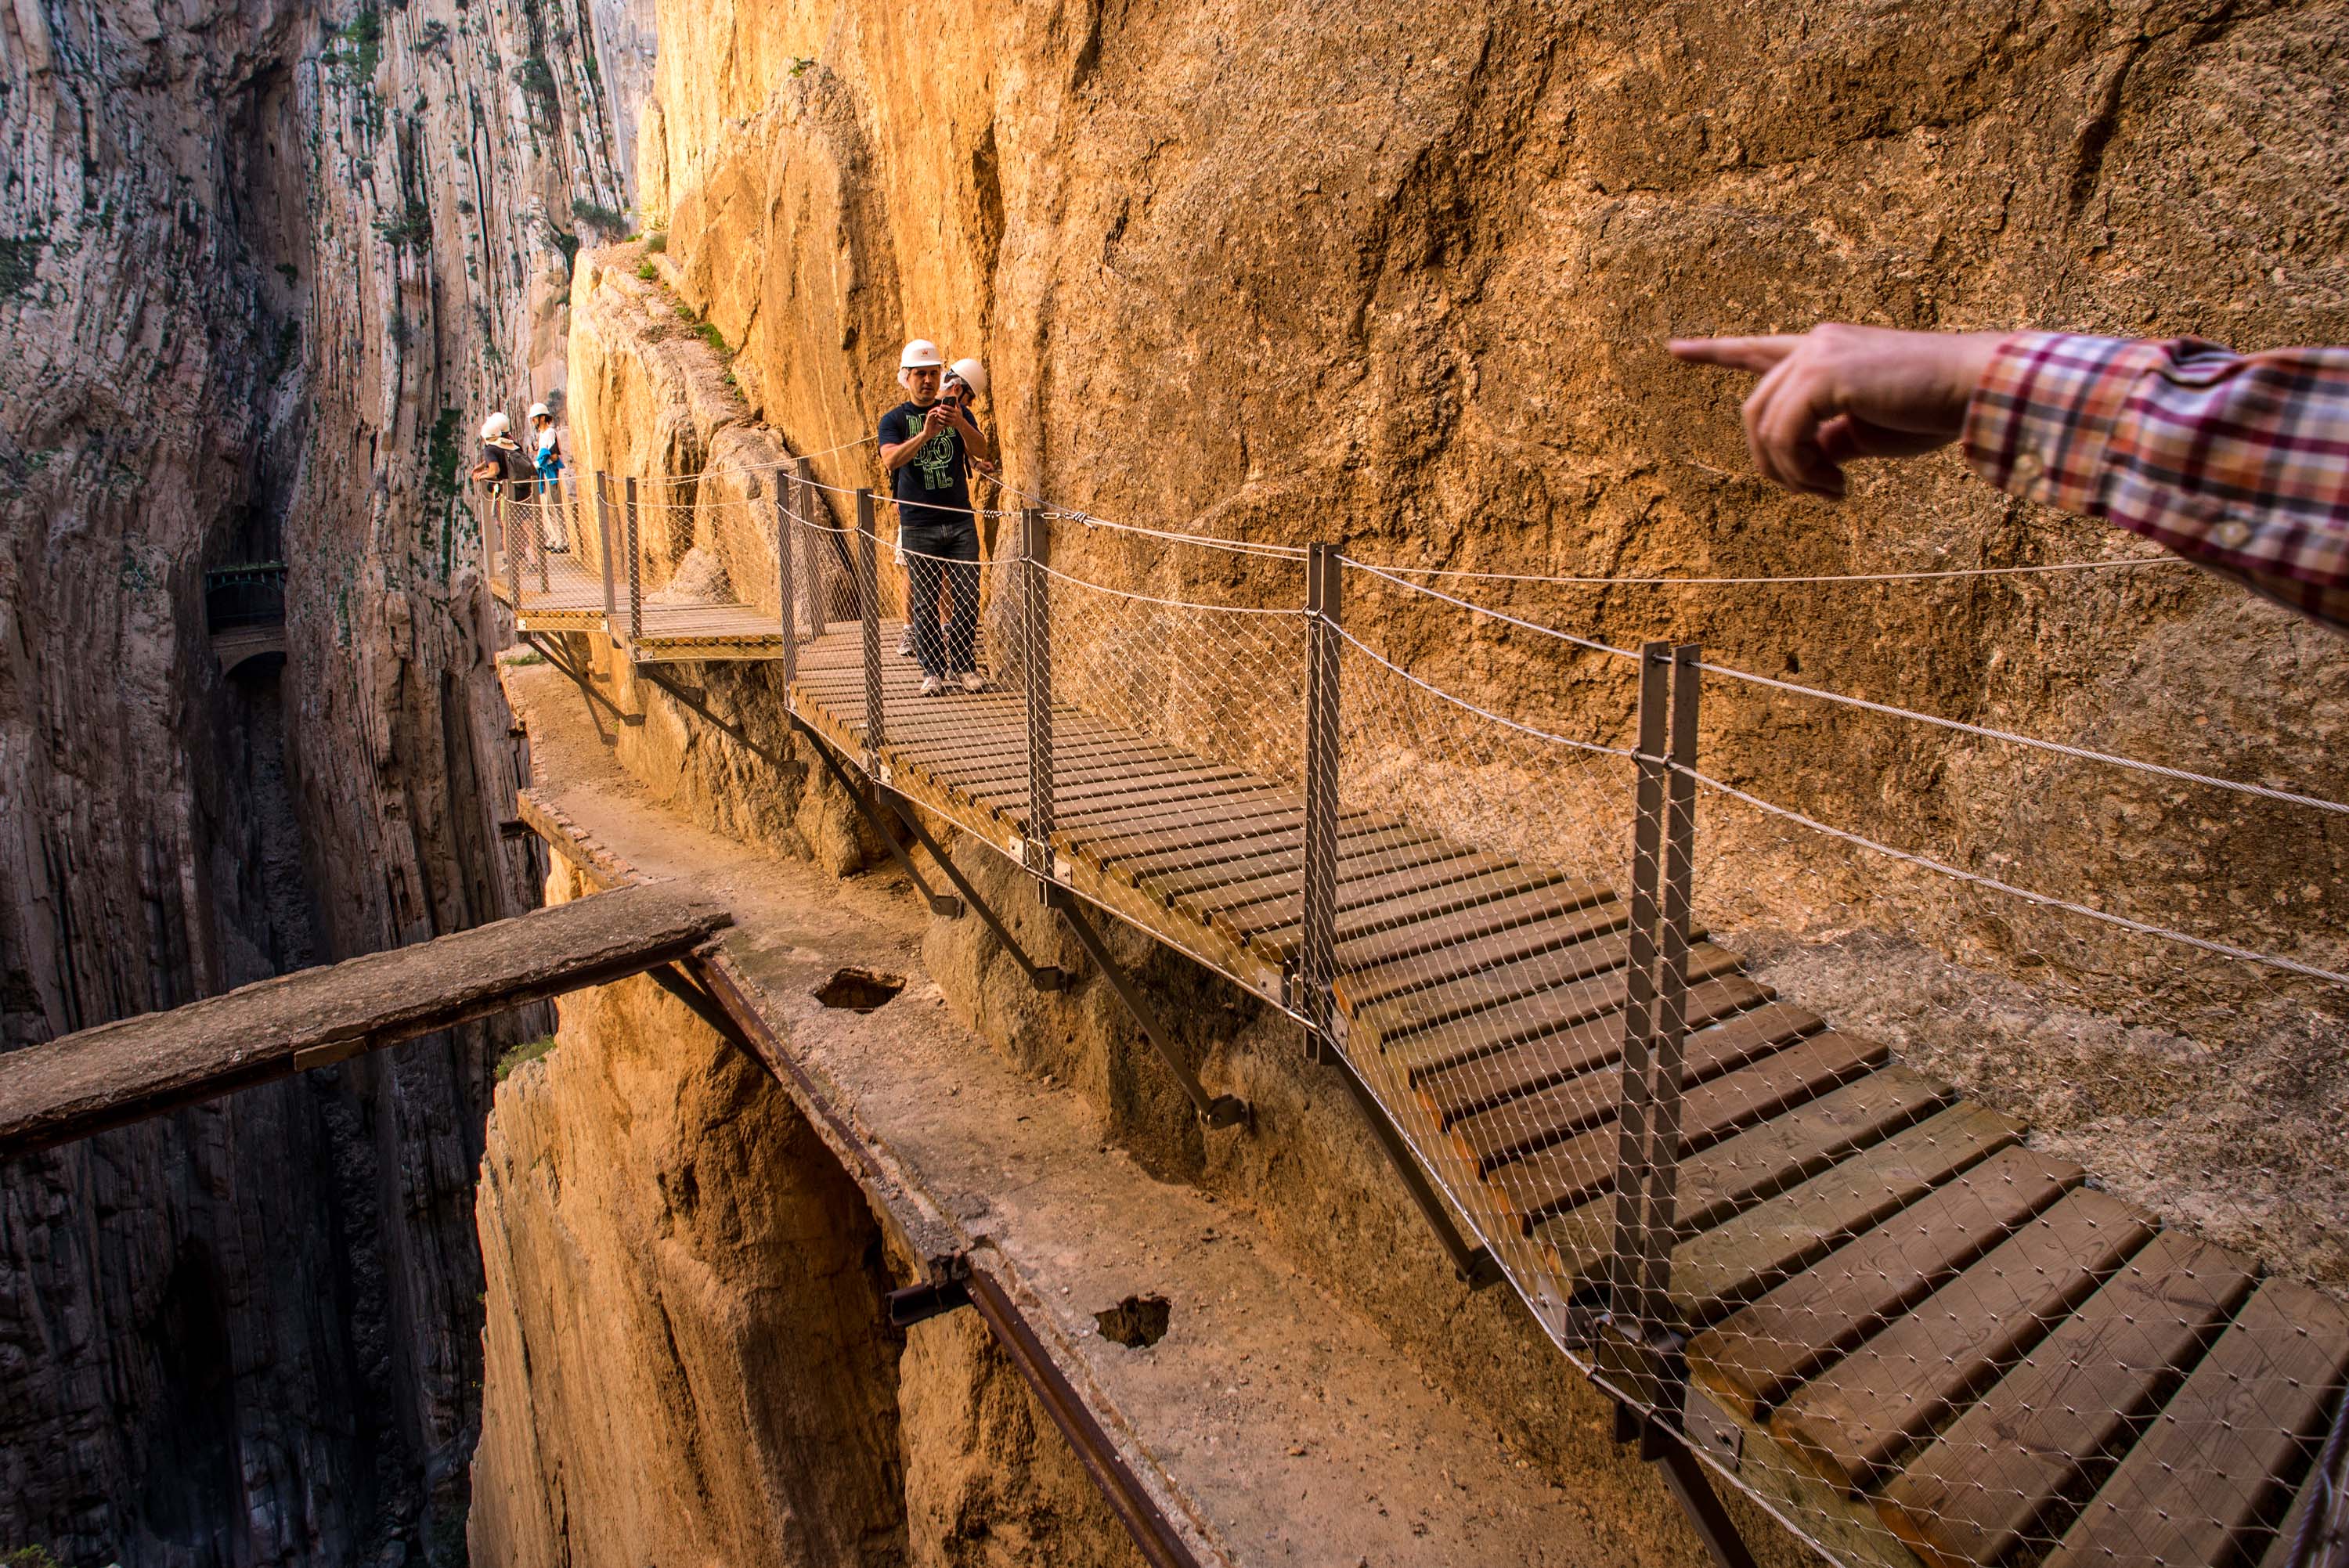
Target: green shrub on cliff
pixel 527 1052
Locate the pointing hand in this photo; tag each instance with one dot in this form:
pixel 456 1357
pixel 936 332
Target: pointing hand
pixel 1835 393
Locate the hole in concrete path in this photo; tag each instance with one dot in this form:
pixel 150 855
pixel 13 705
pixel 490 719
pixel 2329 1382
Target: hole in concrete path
pixel 859 990
pixel 1136 1320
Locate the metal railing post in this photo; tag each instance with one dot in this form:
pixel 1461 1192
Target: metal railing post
pixel 1318 950
pixel 502 503
pixel 604 546
pixel 1036 646
pixel 635 578
pixel 868 604
pixel 538 530
pixel 1659 1220
pixel 819 616
pixel 786 589
pixel 1633 1121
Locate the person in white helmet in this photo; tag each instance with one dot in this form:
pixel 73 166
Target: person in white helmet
pixel 502 463
pixel 549 457
pixel 965 385
pixel 927 446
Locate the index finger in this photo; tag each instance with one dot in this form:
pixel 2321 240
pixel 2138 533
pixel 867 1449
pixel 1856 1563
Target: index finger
pixel 1754 354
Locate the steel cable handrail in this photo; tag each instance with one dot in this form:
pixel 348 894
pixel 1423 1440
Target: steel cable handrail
pixel 1461 701
pixel 1792 582
pixel 2046 901
pixel 2061 748
pixel 1592 644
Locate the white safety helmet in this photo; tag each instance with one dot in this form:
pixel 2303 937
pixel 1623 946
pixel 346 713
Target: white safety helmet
pixel 538 410
pixel 971 374
pixel 496 424
pixel 920 353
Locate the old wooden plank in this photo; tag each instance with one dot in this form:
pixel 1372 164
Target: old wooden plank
pixel 1381 886
pixel 1277 814
pixel 1174 796
pixel 1761 1162
pixel 1517 1126
pixel 1448 929
pixel 1170 878
pixel 1392 918
pixel 1557 1179
pixel 1355 865
pixel 1753 1357
pixel 1733 1003
pixel 1852 1417
pixel 121 1072
pixel 1481 1014
pixel 1992 1480
pixel 1741 1257
pixel 1367 986
pixel 2214 1469
pixel 1532 1034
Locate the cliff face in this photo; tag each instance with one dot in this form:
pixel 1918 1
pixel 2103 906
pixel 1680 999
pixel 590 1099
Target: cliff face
pixel 261 269
pixel 1404 284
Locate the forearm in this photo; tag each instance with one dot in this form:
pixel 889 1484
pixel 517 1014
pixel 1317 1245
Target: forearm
pixel 2233 460
pixel 896 457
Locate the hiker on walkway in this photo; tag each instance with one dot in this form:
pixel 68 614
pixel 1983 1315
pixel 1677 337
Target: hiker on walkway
pixel 963 383
pixel 2238 462
pixel 927 447
pixel 549 458
pixel 503 467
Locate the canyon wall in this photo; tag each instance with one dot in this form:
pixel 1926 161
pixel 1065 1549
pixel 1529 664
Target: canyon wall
pixel 261 270
pixel 1404 284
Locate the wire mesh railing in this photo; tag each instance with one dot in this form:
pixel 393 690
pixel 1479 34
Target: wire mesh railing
pixel 1998 1267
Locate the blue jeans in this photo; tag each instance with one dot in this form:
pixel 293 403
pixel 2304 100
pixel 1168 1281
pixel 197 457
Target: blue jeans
pixel 935 564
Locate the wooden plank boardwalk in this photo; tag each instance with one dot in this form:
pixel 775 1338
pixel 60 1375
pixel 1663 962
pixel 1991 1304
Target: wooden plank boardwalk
pixel 1946 1344
pixel 117 1073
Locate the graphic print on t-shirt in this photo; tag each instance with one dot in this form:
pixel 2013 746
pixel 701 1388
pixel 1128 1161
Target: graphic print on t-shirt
pixel 935 459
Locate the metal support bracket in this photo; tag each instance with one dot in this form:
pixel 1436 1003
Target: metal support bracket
pixel 920 1303
pixel 1475 1266
pixel 1215 1110
pixel 690 696
pixel 1684 1476
pixel 1043 976
pixel 946 905
pixel 579 678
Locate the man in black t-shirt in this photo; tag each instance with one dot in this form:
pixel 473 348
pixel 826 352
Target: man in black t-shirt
pixel 927 447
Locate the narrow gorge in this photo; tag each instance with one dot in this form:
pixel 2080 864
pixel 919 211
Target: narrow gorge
pixel 622 1279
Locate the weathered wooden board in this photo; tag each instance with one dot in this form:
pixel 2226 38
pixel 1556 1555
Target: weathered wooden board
pixel 121 1072
pixel 1754 1357
pixel 1851 1418
pixel 1761 1161
pixel 2060 1416
pixel 2208 1473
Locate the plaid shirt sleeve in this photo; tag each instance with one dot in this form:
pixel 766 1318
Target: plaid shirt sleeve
pixel 2238 462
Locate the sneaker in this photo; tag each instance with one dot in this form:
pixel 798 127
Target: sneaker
pixel 906 644
pixel 932 685
pixel 973 681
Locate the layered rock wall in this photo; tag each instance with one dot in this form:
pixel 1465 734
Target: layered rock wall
pixel 261 270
